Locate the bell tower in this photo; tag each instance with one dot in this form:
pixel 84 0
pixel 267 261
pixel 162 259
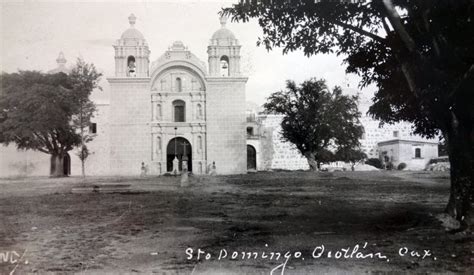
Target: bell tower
pixel 132 55
pixel 224 53
pixel 225 104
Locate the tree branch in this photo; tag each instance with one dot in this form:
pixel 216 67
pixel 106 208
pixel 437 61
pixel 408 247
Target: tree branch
pixel 385 26
pixel 397 25
pixel 44 141
pixel 357 30
pixel 467 78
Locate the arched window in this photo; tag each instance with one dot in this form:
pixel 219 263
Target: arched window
pixel 199 111
pixel 249 131
pixel 178 84
pixel 417 152
pixel 158 111
pixel 179 111
pixel 131 67
pixel 224 70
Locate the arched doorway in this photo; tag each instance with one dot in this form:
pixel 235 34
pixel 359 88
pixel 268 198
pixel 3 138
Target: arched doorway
pixel 181 148
pixel 251 158
pixel 67 164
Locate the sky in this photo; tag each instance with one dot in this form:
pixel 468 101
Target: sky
pixel 34 32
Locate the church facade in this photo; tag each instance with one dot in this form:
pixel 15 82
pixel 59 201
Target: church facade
pixel 176 108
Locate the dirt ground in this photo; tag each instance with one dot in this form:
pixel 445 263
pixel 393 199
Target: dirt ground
pixel 45 228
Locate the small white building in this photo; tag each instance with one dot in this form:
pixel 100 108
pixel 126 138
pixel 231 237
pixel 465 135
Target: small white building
pixel 415 154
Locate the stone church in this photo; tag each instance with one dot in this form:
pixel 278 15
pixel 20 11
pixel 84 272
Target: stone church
pixel 176 107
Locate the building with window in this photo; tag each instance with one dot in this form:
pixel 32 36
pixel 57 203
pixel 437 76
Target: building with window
pixel 393 143
pixel 415 154
pixel 177 108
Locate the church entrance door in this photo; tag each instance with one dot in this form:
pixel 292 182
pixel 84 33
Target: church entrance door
pixel 181 148
pixel 67 164
pixel 251 158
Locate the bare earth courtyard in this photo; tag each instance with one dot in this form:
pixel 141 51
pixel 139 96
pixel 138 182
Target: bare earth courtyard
pixel 156 226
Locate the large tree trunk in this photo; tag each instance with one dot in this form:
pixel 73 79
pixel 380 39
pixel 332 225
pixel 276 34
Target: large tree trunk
pixel 460 146
pixel 313 164
pixel 57 165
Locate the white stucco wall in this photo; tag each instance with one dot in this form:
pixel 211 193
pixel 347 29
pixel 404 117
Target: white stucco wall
pixel 130 115
pixel 226 124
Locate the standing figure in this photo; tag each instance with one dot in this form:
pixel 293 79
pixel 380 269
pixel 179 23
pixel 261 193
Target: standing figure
pixel 143 170
pixel 175 166
pixel 213 169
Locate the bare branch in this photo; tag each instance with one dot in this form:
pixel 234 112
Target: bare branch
pixel 357 30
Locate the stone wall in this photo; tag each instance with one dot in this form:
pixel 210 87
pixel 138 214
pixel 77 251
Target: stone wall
pixel 278 154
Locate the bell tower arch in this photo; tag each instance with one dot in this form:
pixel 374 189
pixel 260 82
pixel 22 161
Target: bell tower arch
pixel 224 53
pixel 132 55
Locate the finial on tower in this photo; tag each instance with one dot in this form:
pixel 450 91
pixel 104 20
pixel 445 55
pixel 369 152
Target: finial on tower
pixel 223 20
pixel 132 19
pixel 61 60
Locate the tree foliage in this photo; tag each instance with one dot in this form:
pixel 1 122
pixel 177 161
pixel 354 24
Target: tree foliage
pixel 39 111
pixel 348 154
pixel 84 78
pixel 315 119
pixel 36 112
pixel 375 162
pixel 419 53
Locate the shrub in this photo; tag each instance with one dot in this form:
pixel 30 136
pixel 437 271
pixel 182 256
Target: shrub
pixel 390 166
pixel 402 166
pixel 374 162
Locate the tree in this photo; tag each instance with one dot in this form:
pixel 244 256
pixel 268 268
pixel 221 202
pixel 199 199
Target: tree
pixel 37 112
pixel 419 53
pixel 84 78
pixel 351 155
pixel 316 120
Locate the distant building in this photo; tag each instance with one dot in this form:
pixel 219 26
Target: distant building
pixel 394 142
pixel 415 154
pixel 375 133
pixel 61 68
